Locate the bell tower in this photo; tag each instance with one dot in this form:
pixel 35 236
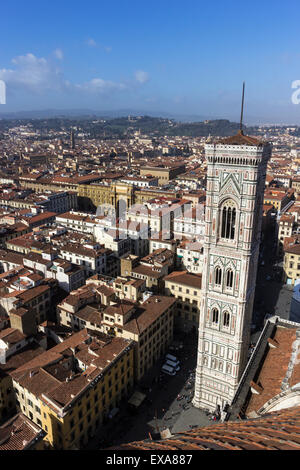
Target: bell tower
pixel 236 172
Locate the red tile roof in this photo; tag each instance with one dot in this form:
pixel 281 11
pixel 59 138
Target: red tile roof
pixel 276 431
pixel 240 139
pixel 19 433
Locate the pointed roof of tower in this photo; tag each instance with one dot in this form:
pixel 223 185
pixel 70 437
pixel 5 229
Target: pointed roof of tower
pixel 240 139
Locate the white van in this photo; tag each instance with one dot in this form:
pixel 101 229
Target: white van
pixel 170 357
pixel 168 370
pixel 174 365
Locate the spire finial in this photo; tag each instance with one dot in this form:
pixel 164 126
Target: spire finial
pixel 242 110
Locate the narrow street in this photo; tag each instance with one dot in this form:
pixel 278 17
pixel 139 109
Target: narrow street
pixel 168 404
pixel 272 297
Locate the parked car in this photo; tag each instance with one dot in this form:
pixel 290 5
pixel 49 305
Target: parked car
pixel 170 357
pixel 175 365
pixel 168 370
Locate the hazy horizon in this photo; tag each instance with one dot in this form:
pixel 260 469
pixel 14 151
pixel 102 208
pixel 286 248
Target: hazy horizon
pixel 175 59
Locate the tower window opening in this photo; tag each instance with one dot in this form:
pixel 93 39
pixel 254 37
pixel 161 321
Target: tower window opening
pixel 215 316
pixel 229 278
pixel 226 319
pixel 218 276
pixel 228 215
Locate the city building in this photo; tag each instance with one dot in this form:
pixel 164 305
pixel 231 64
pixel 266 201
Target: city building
pixel 236 171
pixel 148 323
pixel 70 390
pixel 163 174
pixel 186 288
pixel 20 433
pixel 291 261
pixel 285 229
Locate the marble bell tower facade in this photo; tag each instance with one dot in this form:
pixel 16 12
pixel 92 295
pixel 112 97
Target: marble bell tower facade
pixel 236 172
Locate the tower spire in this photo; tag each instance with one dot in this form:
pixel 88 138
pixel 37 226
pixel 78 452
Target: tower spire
pixel 242 110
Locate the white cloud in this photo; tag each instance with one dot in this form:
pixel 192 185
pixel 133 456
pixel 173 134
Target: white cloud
pixel 141 76
pixel 151 100
pixel 91 42
pixel 98 85
pixel 59 54
pixel 32 73
pixel 40 75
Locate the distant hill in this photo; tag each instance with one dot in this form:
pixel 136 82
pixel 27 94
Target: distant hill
pixel 121 127
pixel 89 113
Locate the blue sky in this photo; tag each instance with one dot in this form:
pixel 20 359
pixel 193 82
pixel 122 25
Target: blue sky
pixel 180 57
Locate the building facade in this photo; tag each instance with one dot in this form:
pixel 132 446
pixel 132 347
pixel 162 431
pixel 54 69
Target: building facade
pixel 236 171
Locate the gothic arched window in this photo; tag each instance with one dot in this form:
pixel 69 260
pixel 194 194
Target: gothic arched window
pixel 229 278
pixel 215 315
pixel 218 275
pixel 228 218
pixel 226 319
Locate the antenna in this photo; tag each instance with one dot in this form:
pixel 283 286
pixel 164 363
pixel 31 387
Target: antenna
pixel 242 109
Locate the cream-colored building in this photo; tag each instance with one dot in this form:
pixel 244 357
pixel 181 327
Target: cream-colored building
pixel 149 323
pixel 291 263
pixel 70 390
pixel 186 288
pixel 285 229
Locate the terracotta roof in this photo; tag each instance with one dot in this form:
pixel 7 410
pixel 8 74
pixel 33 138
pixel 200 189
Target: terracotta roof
pixel 271 375
pixel 185 278
pixel 276 431
pixel 147 271
pixel 30 294
pixel 19 433
pixel 240 139
pixel 148 312
pixel 11 336
pixel 90 314
pixel 122 308
pixel 20 358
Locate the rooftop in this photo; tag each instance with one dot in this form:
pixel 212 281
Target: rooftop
pixel 19 433
pixel 276 431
